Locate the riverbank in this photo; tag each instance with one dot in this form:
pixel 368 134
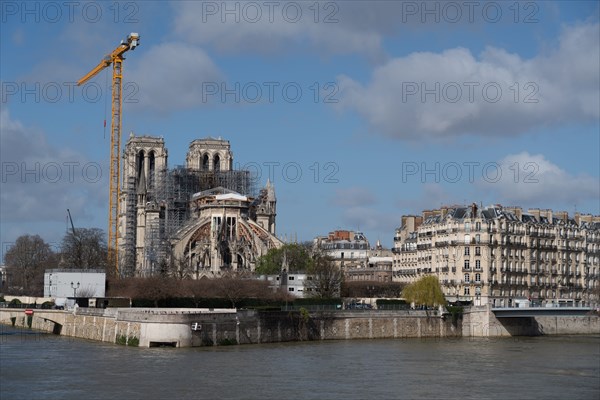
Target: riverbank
pixel 212 327
pixel 151 327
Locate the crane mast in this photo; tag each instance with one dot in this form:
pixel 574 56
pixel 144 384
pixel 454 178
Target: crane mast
pixel 116 59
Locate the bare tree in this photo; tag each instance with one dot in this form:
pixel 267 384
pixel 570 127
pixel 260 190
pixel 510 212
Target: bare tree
pixel 155 288
pixel 26 261
pixel 84 249
pixel 180 268
pixel 232 286
pixel 326 277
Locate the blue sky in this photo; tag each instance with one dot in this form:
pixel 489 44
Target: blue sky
pixel 384 108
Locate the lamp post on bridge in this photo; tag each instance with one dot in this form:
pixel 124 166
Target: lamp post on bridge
pixel 74 287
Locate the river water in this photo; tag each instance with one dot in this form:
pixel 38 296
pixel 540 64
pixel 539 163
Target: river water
pixel 41 366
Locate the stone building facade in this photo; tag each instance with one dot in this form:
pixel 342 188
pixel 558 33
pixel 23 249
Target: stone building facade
pixel 348 249
pixel 499 255
pixel 201 219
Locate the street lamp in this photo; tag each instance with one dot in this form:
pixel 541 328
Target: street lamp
pixel 74 287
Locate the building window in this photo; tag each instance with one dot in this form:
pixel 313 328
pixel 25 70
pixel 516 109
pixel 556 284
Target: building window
pixel 477 264
pixel 291 278
pixel 467 278
pixel 478 278
pixel 291 289
pixel 467 291
pixel 477 251
pixel 467 227
pixel 467 251
pixel 467 264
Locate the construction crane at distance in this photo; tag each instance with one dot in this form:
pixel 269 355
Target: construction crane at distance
pixel 77 242
pixel 116 59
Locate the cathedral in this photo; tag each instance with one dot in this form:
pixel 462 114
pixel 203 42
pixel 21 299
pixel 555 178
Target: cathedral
pixel 201 219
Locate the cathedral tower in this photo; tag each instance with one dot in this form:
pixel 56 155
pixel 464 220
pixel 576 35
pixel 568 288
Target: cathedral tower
pixel 145 159
pixel 209 155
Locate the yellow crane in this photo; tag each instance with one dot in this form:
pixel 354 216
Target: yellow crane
pixel 116 59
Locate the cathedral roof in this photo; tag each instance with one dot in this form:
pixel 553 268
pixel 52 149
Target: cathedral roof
pixel 231 196
pixel 217 191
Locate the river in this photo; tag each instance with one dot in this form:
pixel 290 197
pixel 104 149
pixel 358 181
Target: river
pixel 42 366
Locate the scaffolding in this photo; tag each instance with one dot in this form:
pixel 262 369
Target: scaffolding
pixel 128 259
pixel 169 193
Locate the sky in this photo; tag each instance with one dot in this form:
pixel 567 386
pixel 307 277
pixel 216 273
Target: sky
pixel 359 112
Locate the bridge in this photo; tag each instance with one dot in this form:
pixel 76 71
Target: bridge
pixel 520 312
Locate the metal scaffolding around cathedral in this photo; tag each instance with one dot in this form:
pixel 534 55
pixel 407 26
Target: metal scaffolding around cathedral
pixel 201 219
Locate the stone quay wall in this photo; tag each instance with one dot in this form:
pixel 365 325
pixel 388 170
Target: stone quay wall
pixel 194 327
pixel 481 322
pixel 93 325
pixel 207 327
pixel 248 327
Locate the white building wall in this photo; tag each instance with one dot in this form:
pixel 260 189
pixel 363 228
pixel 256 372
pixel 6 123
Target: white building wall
pixel 74 283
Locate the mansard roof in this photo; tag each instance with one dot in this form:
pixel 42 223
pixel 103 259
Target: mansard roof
pixel 496 212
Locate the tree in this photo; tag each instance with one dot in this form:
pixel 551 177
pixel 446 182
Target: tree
pixel 153 288
pixel 326 277
pixel 297 256
pixel 235 286
pixel 26 261
pixel 176 267
pixel 86 249
pixel 425 292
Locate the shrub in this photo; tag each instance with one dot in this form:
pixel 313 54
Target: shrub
pixel 456 312
pixel 14 302
pixel 47 305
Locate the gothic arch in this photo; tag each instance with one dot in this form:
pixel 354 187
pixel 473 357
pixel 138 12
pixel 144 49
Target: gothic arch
pixel 217 162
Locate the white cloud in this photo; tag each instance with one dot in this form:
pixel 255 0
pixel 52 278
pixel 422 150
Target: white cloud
pixel 171 76
pixel 369 219
pixel 40 181
pixel 532 179
pixel 561 86
pixel 335 28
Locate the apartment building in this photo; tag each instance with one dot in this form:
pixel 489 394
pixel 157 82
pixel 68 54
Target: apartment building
pixel 501 254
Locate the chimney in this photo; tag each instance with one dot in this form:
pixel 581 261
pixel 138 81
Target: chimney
pixel 535 212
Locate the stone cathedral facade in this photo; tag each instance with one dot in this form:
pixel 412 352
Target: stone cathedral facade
pixel 200 219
